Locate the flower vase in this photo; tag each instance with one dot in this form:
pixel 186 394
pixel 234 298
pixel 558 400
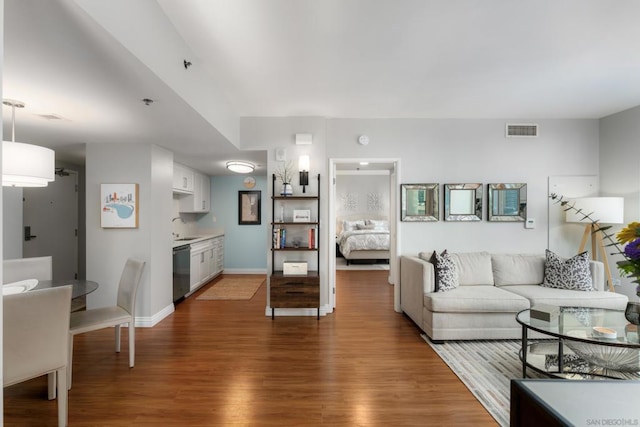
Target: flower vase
pixel 287 189
pixel 632 312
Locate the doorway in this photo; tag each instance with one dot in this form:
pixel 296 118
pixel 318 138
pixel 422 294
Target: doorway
pixel 50 221
pixel 390 168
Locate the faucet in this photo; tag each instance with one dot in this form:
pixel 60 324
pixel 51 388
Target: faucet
pixel 180 218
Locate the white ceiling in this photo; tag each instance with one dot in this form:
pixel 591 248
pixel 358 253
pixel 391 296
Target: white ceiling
pixel 329 58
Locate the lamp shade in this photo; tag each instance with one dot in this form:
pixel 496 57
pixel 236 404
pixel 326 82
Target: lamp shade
pixel 26 165
pixel 604 210
pixel 303 163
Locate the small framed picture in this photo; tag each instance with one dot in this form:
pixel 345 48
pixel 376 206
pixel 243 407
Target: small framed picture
pixel 301 215
pixel 119 205
pixel 249 209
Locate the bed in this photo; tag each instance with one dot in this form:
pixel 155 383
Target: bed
pixel 362 238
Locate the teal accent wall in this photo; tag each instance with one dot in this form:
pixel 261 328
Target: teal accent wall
pixel 245 246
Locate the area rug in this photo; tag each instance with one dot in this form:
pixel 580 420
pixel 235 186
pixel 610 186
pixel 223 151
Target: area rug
pixel 486 368
pixel 232 288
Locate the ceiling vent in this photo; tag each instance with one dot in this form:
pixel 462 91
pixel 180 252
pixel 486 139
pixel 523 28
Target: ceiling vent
pixel 522 130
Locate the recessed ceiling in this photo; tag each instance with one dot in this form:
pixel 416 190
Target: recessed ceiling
pixel 330 58
pixel 417 58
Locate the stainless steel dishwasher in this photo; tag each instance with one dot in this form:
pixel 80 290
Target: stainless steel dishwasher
pixel 181 271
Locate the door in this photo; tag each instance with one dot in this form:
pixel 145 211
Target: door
pixel 391 168
pixel 50 219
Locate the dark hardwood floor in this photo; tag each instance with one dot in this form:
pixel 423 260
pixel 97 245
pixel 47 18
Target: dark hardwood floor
pixel 221 363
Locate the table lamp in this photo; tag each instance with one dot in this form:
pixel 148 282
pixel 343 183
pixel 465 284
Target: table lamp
pixel 601 210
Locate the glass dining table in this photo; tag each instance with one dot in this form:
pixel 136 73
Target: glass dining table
pixel 79 287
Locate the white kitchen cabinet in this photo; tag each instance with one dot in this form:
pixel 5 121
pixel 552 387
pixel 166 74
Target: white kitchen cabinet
pixel 194 277
pixel 207 261
pixel 199 263
pixel 217 256
pixel 183 179
pixel 200 200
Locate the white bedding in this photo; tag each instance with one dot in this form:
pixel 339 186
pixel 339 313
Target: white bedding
pixel 357 240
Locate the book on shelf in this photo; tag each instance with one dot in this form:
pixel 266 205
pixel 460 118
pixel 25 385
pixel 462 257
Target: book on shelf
pixel 313 238
pixel 279 238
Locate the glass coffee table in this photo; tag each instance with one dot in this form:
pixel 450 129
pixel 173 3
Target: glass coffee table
pixel 580 343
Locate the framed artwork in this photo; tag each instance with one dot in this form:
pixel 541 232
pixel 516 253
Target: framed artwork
pixel 301 215
pixel 249 207
pixel 507 202
pixel 419 202
pixel 463 202
pixel 119 205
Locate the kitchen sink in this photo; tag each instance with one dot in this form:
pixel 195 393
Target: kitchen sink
pixel 182 239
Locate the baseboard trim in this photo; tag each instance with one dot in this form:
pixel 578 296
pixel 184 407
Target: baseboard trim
pixel 149 322
pixel 245 271
pixel 311 312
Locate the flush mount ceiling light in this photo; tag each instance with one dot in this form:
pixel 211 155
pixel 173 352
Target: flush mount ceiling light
pixel 25 165
pixel 240 167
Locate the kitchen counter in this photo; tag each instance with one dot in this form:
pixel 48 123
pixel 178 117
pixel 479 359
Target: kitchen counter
pixel 198 238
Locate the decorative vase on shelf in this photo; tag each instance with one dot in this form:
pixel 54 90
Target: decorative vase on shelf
pixel 632 312
pixel 287 189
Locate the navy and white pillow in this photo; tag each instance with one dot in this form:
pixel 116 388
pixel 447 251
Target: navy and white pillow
pixel 573 273
pixel 445 271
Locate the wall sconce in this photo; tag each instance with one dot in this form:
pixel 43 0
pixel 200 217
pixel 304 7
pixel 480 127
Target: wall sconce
pixel 303 167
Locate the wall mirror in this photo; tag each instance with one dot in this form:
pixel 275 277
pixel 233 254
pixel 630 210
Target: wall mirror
pixel 419 202
pixel 463 202
pixel 507 202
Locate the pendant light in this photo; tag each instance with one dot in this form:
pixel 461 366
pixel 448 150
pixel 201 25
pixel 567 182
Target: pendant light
pixel 25 165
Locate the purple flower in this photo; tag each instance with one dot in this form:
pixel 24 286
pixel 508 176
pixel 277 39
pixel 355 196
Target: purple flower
pixel 632 250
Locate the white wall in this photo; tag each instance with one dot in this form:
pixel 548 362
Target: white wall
pixel 473 151
pixel 620 170
pixel 108 249
pixel 362 193
pixel 1 195
pixel 442 151
pixel 12 231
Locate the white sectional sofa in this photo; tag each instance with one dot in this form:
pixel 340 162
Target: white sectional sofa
pixel 492 289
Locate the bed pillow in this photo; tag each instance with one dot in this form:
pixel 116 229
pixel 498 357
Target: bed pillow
pixel 445 271
pixel 351 225
pixel 573 273
pixel 365 226
pixel 379 224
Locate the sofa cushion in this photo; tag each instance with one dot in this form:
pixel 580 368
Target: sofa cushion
pixel 569 298
pixel 517 269
pixel 474 268
pixel 475 299
pixel 445 272
pixel 572 273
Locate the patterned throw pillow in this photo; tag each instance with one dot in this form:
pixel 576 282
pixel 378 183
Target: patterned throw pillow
pixel 445 270
pixel 572 273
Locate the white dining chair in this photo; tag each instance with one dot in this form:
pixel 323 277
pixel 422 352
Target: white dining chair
pixel 40 268
pixel 35 339
pixel 117 315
